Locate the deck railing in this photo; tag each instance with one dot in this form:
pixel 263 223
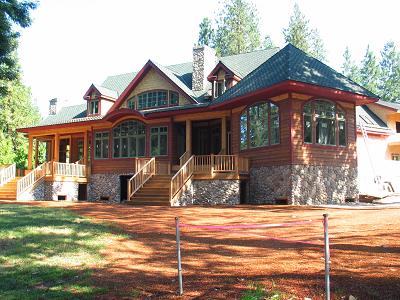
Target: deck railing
pixel 141 176
pixel 184 158
pixel 182 176
pixel 32 177
pixel 66 169
pixel 140 162
pixel 7 174
pixel 205 164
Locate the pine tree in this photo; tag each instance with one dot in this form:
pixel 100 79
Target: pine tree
pixel 206 33
pixel 349 67
pixel 302 36
pixel 389 83
pixel 370 72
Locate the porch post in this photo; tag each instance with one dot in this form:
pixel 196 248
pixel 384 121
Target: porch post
pixel 85 148
pixel 189 136
pixel 56 147
pixel 30 146
pixel 223 136
pixel 36 153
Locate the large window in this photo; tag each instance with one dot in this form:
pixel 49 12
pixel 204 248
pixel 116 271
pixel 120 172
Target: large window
pixel 152 99
pixel 129 139
pixel 324 123
pixel 100 145
pixel 259 126
pixel 159 141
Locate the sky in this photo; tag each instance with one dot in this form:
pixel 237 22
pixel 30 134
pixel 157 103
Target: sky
pixel 74 43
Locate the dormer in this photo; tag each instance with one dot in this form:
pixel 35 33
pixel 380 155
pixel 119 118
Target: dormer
pixel 222 79
pixel 99 100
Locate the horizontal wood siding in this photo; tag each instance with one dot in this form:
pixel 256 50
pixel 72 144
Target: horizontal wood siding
pixel 268 155
pixel 319 154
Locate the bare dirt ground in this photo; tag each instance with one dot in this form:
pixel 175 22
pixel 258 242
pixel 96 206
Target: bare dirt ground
pixel 365 251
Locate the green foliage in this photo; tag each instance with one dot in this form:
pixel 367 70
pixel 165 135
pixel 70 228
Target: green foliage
pixel 268 43
pixel 389 83
pixel 16 110
pixel 258 292
pixel 206 33
pixel 302 36
pixel 48 253
pixel 237 29
pixel 13 13
pixel 370 72
pixel 349 67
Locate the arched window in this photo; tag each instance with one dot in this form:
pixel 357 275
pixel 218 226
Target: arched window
pixel 259 126
pixel 324 123
pixel 129 139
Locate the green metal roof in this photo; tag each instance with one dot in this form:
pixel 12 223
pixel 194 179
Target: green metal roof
pixel 291 63
pixel 69 114
pixel 118 83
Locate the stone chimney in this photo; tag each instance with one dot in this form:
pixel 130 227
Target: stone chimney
pixel 204 61
pixel 53 106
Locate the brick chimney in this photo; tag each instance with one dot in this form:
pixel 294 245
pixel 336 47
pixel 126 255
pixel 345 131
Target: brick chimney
pixel 53 106
pixel 204 61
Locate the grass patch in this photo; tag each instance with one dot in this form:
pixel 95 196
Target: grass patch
pixel 47 253
pixel 257 291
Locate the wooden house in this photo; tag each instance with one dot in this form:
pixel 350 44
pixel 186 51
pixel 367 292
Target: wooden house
pixel 269 126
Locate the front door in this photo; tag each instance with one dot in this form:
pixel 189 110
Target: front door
pixel 64 151
pixel 206 138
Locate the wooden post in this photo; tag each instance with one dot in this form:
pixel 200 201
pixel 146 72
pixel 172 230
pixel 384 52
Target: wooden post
pixel 30 140
pixel 189 136
pixel 36 153
pixel 223 136
pixel 85 148
pixel 57 147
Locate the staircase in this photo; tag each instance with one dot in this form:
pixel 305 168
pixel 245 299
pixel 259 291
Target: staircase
pixel 154 192
pixel 9 190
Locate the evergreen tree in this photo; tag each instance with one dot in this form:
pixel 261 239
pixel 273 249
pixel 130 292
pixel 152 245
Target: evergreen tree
pixel 370 72
pixel 13 13
pixel 389 83
pixel 206 33
pixel 302 36
pixel 349 67
pixel 268 43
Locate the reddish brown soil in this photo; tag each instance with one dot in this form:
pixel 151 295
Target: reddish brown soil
pixel 365 252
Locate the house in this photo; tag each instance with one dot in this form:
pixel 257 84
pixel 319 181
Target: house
pixel 378 149
pixel 267 126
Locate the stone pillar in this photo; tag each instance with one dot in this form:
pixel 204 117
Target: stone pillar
pixel 224 149
pixel 56 147
pixel 30 148
pixel 188 136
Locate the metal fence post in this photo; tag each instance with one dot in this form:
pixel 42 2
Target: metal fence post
pixel 327 258
pixel 178 251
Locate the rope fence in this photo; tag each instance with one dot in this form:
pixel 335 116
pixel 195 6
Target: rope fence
pixel 238 228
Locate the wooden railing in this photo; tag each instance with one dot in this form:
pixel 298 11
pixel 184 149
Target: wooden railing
pixel 204 164
pixel 7 174
pixel 184 158
pixel 140 162
pixel 30 179
pixel 182 176
pixel 141 176
pixel 65 169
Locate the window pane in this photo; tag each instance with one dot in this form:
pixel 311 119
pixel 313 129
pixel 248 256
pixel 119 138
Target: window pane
pixel 141 146
pixel 116 147
pixel 243 131
pixel 258 115
pixel 97 148
pixel 154 145
pixel 307 129
pixel 174 98
pixel 325 131
pixel 342 133
pixel 105 148
pixel 274 124
pixel 132 146
pixel 163 144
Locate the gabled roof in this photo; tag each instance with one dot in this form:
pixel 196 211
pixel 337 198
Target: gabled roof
pixel 392 105
pixel 291 63
pixel 69 114
pixel 119 82
pixel 371 122
pixel 102 91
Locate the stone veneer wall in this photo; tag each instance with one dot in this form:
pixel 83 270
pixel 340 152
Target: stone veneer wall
pixel 64 188
pixel 35 193
pixel 105 185
pixel 210 192
pixel 303 184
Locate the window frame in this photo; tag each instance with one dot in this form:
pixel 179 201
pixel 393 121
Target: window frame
pixel 159 134
pixel 167 100
pixel 92 101
pixel 128 138
pixel 248 126
pixel 102 139
pixel 395 156
pixel 338 108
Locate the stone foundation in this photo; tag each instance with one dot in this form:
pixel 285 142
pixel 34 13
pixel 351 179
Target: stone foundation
pixel 210 192
pixel 54 189
pixel 35 193
pixel 105 187
pixel 303 184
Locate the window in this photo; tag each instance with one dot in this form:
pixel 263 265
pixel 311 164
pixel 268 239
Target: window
pixel 396 156
pixel 219 88
pixel 159 141
pixel 324 124
pixel 131 103
pixel 152 99
pixel 173 98
pixel 94 107
pixel 259 126
pixel 398 127
pixel 101 145
pixel 129 139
